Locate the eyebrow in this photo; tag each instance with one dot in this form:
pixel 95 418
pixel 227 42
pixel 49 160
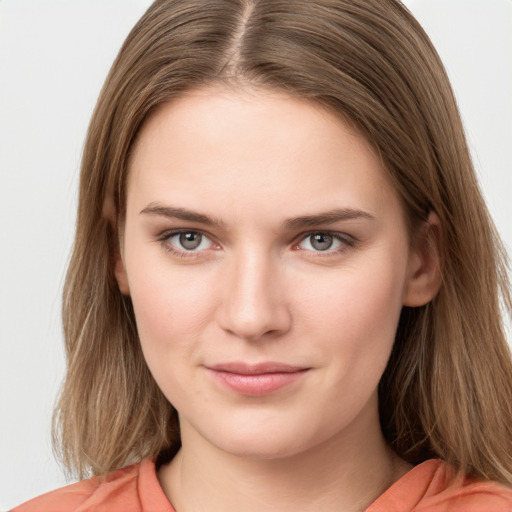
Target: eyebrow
pixel 182 214
pixel 306 221
pixel 329 217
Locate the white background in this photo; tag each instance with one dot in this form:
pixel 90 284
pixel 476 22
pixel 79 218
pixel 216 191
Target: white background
pixel 54 56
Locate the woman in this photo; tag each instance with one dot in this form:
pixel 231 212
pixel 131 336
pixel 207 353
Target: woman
pixel 280 234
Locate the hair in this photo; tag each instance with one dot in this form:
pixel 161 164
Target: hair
pixel 447 389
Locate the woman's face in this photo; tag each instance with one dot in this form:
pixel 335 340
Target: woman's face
pixel 267 258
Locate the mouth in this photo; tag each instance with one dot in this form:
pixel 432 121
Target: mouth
pixel 256 379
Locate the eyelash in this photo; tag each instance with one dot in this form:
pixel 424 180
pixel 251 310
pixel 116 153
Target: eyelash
pixel 166 237
pixel 345 240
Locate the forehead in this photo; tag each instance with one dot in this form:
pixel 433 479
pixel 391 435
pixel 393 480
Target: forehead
pixel 254 148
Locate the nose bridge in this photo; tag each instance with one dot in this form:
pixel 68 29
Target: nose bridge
pixel 254 301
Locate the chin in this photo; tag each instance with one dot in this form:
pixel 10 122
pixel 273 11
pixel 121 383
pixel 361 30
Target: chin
pixel 262 441
pixel 261 449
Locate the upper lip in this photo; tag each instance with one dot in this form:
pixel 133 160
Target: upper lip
pixel 242 368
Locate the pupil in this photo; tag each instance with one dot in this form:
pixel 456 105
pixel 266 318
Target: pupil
pixel 190 240
pixel 321 242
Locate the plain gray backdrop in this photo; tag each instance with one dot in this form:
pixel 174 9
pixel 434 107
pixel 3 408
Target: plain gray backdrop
pixel 54 56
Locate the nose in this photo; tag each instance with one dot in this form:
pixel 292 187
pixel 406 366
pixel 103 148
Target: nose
pixel 254 305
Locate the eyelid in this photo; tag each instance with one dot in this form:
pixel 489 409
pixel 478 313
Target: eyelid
pixel 346 240
pixel 165 237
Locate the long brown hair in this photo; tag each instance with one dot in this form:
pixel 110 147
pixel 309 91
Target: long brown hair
pixel 447 390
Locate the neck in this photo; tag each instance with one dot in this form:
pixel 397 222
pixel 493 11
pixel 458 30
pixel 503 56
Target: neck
pixel 348 471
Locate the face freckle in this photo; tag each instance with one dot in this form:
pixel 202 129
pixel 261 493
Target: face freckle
pixel 267 258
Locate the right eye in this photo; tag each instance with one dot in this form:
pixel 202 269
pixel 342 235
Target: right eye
pixel 187 241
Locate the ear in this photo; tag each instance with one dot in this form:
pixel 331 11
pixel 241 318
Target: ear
pixel 424 269
pixel 110 215
pixel 120 273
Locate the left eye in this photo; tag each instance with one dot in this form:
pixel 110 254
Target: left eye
pixel 321 242
pixel 190 241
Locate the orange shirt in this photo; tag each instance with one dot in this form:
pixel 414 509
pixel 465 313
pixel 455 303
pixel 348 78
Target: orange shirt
pixel 428 487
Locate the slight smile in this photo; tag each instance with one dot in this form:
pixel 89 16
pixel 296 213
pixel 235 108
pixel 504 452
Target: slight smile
pixel 256 379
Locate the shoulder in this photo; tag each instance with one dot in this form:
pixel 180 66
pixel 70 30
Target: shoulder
pixel 458 493
pixel 134 488
pixel 434 486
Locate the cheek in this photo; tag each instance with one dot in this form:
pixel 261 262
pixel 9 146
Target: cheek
pixel 171 314
pixel 376 302
pixel 370 290
pixel 172 308
pixel 355 312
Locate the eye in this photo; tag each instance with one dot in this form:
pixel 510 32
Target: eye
pixel 324 241
pixel 187 241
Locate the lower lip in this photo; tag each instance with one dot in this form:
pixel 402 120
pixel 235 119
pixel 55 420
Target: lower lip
pixel 259 384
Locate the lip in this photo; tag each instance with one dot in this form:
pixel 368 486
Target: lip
pixel 256 379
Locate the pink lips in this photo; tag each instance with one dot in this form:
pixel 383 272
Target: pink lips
pixel 258 379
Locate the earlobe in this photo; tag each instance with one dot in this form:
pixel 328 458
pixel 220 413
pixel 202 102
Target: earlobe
pixel 424 272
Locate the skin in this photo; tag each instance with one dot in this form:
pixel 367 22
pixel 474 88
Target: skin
pixel 263 169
